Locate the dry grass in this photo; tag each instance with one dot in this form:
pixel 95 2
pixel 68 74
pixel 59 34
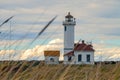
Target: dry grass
pixel 35 70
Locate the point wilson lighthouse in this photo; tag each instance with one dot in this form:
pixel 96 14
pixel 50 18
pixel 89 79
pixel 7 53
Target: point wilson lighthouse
pixel 69 24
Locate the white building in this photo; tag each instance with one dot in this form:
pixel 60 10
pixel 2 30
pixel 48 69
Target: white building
pixel 52 57
pixel 80 53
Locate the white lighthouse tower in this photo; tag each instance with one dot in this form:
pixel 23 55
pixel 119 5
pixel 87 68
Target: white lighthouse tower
pixel 69 24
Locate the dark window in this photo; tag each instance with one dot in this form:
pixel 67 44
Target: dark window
pixel 79 58
pixel 65 28
pixel 69 20
pixel 51 59
pixel 69 58
pixel 88 58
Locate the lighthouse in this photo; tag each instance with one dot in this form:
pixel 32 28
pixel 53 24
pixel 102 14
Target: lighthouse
pixel 74 53
pixel 69 24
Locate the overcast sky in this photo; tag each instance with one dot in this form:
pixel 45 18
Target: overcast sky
pixel 97 21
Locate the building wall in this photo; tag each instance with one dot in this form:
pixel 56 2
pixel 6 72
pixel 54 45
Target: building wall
pixel 69 62
pixel 48 60
pixel 84 59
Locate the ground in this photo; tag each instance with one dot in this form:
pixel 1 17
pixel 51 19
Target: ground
pixel 36 70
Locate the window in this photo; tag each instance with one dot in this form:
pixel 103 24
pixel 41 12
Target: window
pixel 65 28
pixel 69 58
pixel 51 59
pixel 69 20
pixel 88 58
pixel 79 58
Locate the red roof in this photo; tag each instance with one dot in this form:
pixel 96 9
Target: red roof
pixel 81 47
pixel 71 53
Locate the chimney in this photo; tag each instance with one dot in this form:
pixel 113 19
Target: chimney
pixel 83 41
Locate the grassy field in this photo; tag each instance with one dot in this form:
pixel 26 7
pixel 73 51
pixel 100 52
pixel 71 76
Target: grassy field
pixel 35 70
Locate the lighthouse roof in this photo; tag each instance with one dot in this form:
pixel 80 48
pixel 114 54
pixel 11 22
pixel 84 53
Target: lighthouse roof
pixel 69 15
